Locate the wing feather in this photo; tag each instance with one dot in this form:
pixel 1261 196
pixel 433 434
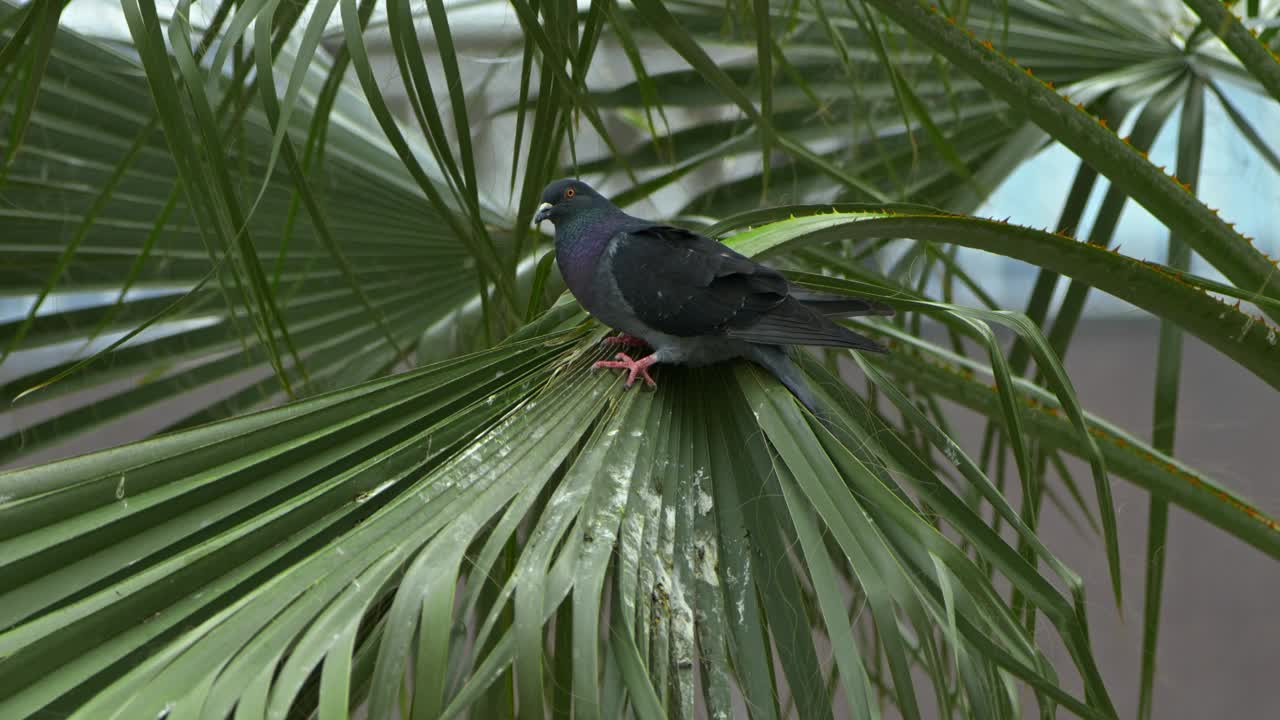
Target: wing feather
pixel 684 284
pixel 791 323
pixel 833 305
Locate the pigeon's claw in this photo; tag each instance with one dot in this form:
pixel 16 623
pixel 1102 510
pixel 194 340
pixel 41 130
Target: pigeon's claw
pixel 625 339
pixel 633 367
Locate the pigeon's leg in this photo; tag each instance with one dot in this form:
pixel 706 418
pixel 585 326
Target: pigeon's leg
pixel 632 366
pixel 625 339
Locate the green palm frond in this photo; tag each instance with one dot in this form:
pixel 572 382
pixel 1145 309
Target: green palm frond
pixel 383 476
pixel 95 203
pixel 394 506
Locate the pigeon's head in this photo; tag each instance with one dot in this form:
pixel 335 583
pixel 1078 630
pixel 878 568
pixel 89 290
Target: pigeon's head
pixel 564 198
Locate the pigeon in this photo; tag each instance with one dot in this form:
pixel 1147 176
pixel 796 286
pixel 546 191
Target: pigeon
pixel 690 298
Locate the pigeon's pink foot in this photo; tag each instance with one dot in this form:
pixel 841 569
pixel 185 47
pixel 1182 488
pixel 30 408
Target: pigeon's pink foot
pixel 625 339
pixel 633 367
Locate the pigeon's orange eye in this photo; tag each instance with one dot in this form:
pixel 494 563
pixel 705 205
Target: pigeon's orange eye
pixel 568 193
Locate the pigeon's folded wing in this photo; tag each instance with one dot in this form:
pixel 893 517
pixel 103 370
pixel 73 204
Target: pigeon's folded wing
pixel 681 283
pixel 684 284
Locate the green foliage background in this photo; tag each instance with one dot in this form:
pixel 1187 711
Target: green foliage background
pixel 263 243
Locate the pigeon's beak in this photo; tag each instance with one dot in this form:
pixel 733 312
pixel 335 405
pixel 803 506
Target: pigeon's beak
pixel 544 213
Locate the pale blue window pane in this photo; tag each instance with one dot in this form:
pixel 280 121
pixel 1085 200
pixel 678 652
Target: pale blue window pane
pixel 1234 178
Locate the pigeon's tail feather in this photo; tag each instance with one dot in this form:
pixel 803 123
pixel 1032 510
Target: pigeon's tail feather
pixel 776 361
pixel 791 323
pixel 833 305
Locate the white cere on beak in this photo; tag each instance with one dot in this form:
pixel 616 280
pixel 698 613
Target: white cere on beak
pixel 543 211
